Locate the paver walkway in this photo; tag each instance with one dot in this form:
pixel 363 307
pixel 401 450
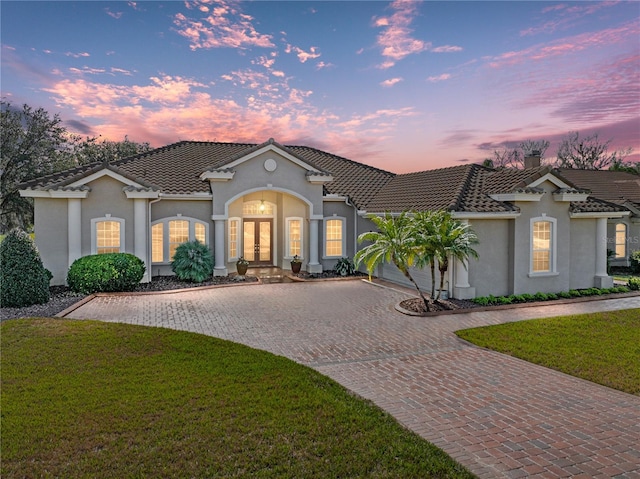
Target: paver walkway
pixel 497 415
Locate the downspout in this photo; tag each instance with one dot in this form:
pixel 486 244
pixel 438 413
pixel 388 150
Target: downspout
pixel 150 239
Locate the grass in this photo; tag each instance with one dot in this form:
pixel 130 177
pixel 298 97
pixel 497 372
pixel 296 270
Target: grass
pixel 91 399
pixel 602 347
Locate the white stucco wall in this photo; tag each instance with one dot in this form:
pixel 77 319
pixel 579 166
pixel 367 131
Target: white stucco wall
pixel 50 224
pixel 491 273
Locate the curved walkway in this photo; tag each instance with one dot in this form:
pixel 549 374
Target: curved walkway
pixel 497 415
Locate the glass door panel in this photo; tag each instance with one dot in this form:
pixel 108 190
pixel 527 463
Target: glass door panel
pixel 265 241
pixel 249 240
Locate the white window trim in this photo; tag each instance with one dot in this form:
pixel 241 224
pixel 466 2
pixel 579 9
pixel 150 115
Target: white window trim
pixel 554 244
pixel 624 243
pixel 165 233
pixel 238 239
pixel 288 220
pixel 94 233
pixel 324 236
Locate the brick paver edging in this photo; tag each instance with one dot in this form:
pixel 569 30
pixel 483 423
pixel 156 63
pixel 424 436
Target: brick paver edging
pixel 532 304
pixel 85 300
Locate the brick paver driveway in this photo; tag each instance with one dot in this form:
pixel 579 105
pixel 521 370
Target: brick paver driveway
pixel 499 416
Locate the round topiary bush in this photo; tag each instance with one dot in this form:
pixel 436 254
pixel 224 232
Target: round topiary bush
pixel 105 273
pixel 193 262
pixel 23 278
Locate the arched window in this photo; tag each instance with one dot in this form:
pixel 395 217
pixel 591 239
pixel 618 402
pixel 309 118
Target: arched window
pixel 169 233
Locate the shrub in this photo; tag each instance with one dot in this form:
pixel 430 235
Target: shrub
pixel 541 296
pixel 105 273
pixel 634 284
pixel 504 300
pixel 527 297
pixel 345 267
pixel 25 280
pixel 574 293
pixel 551 296
pixel 634 260
pixel 590 292
pixel 193 262
pixel 621 289
pixel 564 294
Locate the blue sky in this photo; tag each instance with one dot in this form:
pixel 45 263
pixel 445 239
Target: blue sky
pixel 403 86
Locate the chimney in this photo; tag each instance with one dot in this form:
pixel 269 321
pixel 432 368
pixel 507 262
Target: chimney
pixel 532 160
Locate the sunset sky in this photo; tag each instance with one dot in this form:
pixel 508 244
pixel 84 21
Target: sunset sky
pixel 402 86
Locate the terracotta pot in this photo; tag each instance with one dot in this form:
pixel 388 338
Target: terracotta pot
pixel 295 267
pixel 242 269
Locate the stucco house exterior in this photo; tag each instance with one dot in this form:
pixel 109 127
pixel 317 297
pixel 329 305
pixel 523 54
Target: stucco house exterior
pixel 538 230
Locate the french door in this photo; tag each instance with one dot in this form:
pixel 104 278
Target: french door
pixel 257 241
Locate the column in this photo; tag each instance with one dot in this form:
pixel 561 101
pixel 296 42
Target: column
pixel 462 289
pixel 220 268
pixel 74 229
pixel 602 279
pixel 313 266
pixel 140 235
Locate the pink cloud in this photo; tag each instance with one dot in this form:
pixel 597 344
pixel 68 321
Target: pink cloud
pixel 443 77
pixel 225 26
pixel 77 55
pixel 569 45
pixel 116 15
pixel 391 81
pixel 169 108
pixel 395 40
pixel 447 49
pixel 301 54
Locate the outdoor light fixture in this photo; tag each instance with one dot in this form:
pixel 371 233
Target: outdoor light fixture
pixel 262 207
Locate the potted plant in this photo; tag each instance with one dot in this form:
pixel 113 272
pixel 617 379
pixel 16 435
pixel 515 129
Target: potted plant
pixel 241 266
pixel 296 264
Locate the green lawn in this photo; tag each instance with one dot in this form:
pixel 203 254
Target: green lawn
pixel 603 347
pixel 99 400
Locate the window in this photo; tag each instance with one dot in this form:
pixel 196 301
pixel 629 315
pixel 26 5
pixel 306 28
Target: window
pixel 621 240
pixel 169 233
pixel 157 242
pixel 294 237
pixel 234 238
pixel 334 237
pixel 107 235
pixel 178 234
pixel 257 207
pixel 543 232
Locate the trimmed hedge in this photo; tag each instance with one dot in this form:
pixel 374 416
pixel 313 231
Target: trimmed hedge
pixel 193 262
pixel 528 298
pixel 634 260
pixel 23 278
pixel 109 272
pixel 634 284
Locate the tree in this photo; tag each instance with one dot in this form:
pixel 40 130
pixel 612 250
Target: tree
pixel 421 239
pixel 81 151
pixel 588 153
pixel 33 144
pixel 514 157
pixel 451 239
pixel 394 242
pixel 628 167
pixel 29 147
pixel 24 279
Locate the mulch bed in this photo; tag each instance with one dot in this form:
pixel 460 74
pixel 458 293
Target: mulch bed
pixel 330 274
pixel 62 297
pixel 416 305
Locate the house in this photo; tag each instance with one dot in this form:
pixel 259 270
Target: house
pixel 538 230
pixel 621 188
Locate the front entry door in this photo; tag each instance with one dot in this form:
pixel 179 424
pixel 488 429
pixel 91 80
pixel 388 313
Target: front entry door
pixel 257 241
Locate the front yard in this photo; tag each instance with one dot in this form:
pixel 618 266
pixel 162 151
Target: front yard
pixel 101 400
pixel 602 347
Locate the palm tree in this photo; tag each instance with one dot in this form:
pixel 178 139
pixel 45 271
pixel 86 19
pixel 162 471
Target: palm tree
pixel 394 242
pixel 452 239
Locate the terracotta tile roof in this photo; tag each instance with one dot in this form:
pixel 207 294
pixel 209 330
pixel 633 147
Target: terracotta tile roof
pixel 457 188
pixel 595 205
pixel 614 186
pixel 176 169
